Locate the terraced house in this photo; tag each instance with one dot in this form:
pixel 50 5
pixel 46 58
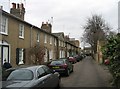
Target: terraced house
pixel 18 36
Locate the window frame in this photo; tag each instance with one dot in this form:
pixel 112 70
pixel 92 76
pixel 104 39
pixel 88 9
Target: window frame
pixel 39 72
pixel 50 40
pixel 5 25
pixel 45 38
pixel 22 56
pixel 21 31
pixel 38 37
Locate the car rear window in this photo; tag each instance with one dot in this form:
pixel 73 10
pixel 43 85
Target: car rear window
pixel 57 62
pixel 21 74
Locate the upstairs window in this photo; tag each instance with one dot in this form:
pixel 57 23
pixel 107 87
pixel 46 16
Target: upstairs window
pixel 4 26
pixel 50 40
pixel 45 39
pixel 55 42
pixel 38 37
pixel 21 31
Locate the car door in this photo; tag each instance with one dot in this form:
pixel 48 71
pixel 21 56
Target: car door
pixel 53 79
pixel 42 78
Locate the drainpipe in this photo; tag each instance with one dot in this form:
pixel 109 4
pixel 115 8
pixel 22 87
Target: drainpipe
pixel 31 40
pixel 1 47
pixel 31 28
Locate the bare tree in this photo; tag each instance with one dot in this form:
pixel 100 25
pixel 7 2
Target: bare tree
pixel 37 53
pixel 94 30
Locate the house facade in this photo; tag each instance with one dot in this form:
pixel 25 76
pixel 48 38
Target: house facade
pixel 18 36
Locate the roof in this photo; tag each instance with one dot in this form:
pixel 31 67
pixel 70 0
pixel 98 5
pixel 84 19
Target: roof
pixel 60 35
pixel 31 25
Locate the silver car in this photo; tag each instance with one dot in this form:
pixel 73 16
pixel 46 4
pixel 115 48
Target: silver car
pixel 32 77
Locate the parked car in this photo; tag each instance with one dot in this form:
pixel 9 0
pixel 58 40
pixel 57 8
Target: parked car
pixel 78 57
pixel 107 62
pixel 32 77
pixel 63 66
pixel 6 73
pixel 72 59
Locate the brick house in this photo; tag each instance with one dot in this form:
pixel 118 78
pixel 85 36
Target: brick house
pixel 17 36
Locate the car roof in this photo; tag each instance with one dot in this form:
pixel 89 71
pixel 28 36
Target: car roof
pixel 61 59
pixel 32 68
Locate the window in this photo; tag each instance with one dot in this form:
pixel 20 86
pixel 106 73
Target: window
pixel 55 42
pixel 38 37
pixel 59 43
pixel 50 40
pixel 50 54
pixel 20 56
pixel 21 31
pixel 21 74
pixel 40 72
pixel 4 26
pixel 45 39
pixel 47 70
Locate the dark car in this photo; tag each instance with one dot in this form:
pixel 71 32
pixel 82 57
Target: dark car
pixel 78 57
pixel 63 66
pixel 32 77
pixel 72 60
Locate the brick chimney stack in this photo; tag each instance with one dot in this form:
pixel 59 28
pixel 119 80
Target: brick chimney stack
pixel 47 27
pixel 18 10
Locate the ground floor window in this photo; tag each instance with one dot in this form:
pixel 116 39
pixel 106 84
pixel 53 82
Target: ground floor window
pixel 4 54
pixel 20 53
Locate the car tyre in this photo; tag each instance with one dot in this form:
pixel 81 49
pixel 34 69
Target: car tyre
pixel 72 69
pixel 68 72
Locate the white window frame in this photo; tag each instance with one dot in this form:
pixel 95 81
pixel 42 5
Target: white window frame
pixel 21 31
pixel 4 25
pixel 50 54
pixel 21 56
pixel 45 39
pixel 50 40
pixel 38 37
pixel 55 42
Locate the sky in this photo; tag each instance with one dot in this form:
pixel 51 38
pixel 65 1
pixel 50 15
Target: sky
pixel 68 16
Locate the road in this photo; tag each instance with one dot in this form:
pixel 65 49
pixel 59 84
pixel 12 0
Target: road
pixel 87 73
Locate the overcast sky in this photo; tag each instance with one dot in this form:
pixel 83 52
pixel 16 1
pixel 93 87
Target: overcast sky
pixel 68 15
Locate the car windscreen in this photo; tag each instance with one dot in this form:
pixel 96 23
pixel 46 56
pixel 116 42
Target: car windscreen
pixel 57 62
pixel 21 74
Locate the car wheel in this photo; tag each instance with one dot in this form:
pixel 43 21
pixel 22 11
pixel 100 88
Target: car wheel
pixel 72 69
pixel 68 72
pixel 58 86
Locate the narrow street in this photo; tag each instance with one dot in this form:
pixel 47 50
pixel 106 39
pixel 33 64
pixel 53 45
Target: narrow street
pixel 87 73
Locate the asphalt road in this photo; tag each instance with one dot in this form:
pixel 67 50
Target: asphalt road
pixel 87 73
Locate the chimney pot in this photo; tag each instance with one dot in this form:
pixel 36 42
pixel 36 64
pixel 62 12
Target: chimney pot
pixel 14 5
pixel 18 6
pixel 1 7
pixel 42 22
pixel 22 5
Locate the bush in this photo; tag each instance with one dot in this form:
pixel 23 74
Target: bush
pixel 111 50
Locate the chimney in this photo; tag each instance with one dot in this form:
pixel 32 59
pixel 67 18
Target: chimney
pixel 46 27
pixel 14 5
pixel 18 10
pixel 1 7
pixel 18 6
